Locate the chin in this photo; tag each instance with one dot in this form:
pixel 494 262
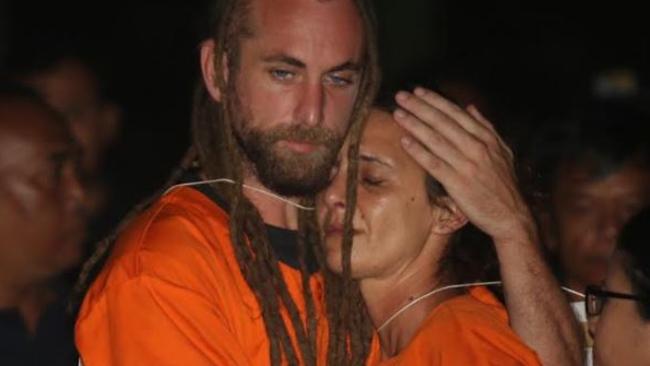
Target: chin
pixel 333 258
pixel 332 248
pixel 334 263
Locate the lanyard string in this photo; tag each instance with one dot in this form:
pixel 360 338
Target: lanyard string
pixel 226 180
pixel 450 287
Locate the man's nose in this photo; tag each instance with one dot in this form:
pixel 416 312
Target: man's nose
pixel 335 193
pixel 311 104
pixel 610 225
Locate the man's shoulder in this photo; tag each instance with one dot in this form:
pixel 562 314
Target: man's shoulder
pixel 181 236
pixel 180 243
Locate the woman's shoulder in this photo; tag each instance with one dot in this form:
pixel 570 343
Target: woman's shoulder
pixel 478 307
pixel 469 329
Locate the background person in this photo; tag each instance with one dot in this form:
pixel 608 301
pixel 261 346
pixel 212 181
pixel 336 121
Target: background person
pixel 69 83
pixel 620 311
pixel 595 174
pixel 42 226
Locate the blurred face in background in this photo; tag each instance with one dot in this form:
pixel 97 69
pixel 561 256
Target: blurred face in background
pixel 73 90
pixel 42 214
pixel 587 216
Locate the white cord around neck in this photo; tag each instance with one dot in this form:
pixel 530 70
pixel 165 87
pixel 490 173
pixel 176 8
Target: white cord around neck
pixel 431 293
pixel 574 292
pixel 226 180
pixel 450 287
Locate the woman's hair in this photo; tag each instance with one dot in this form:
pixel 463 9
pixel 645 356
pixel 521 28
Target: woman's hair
pixel 633 244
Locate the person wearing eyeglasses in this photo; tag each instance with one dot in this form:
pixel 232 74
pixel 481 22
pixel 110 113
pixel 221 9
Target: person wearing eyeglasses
pixel 619 312
pixel 594 175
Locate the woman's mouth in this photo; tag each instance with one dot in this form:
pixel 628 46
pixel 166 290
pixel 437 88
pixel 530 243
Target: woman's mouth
pixel 338 230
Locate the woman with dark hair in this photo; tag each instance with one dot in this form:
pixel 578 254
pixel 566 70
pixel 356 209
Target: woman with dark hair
pixel 619 312
pixel 408 262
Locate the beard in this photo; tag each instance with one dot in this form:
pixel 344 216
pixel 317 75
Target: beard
pixel 288 172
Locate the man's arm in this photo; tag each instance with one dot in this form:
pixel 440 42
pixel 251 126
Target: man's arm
pixel 462 150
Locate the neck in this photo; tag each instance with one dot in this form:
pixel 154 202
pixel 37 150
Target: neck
pixel 29 299
pixel 386 296
pixel 273 211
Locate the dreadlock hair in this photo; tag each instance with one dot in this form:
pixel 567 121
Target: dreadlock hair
pixel 216 152
pixel 216 143
pixel 350 329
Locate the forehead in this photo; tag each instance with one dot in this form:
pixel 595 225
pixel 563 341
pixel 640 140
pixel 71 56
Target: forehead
pixel 629 179
pixel 329 31
pixel 26 128
pixel 69 81
pixel 382 137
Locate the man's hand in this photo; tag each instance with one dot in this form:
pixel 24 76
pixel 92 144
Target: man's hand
pixel 462 150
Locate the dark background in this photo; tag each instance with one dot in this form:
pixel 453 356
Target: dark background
pixel 532 61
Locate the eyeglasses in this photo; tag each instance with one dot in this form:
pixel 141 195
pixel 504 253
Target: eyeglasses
pixel 596 297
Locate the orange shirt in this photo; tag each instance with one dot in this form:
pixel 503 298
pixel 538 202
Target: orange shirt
pixel 470 329
pixel 172 293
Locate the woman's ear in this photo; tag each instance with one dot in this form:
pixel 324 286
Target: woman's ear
pixel 448 218
pixel 208 69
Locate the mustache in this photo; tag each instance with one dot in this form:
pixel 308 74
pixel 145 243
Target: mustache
pixel 313 135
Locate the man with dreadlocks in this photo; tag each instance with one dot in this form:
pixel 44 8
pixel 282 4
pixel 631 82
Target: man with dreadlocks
pixel 220 273
pixel 211 276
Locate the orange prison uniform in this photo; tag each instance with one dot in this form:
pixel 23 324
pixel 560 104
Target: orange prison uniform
pixel 172 293
pixel 467 330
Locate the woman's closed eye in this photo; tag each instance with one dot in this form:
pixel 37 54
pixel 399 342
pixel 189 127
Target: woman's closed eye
pixel 372 181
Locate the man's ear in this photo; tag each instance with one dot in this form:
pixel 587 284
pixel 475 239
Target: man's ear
pixel 208 69
pixel 448 218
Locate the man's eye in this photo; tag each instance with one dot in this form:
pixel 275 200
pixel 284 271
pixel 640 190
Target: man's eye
pixel 339 81
pixel 282 75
